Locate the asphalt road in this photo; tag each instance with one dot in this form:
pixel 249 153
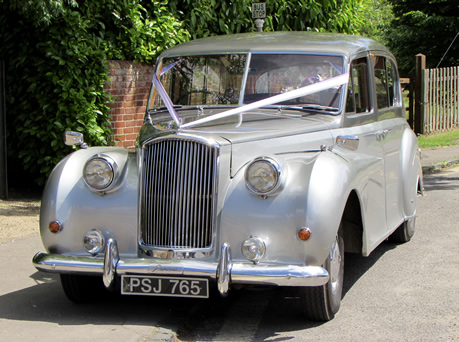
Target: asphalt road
pixel 407 292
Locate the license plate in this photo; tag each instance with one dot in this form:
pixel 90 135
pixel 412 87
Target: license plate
pixel 164 286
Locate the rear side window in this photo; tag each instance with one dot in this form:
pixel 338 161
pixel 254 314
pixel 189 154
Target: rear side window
pixel 386 81
pixel 358 98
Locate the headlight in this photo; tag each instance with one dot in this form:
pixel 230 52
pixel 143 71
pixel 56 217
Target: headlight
pixel 99 172
pixel 262 176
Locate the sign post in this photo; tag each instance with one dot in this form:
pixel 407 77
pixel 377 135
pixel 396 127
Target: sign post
pixel 259 13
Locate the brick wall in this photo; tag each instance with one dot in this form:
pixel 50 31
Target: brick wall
pixel 129 87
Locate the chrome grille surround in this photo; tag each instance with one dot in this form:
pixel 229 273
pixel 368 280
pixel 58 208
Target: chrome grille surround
pixel 178 191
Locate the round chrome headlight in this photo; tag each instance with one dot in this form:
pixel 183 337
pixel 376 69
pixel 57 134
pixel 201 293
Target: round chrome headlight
pixel 262 176
pixel 93 241
pixel 99 172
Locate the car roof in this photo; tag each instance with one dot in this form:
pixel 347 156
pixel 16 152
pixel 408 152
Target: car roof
pixel 280 42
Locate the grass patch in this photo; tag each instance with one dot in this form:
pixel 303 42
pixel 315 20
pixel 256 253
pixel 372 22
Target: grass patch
pixel 440 139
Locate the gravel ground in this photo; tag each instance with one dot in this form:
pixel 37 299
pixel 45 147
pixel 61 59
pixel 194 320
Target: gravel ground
pixel 19 218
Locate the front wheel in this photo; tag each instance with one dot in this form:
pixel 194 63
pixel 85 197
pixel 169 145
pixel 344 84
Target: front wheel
pixel 82 289
pixel 321 303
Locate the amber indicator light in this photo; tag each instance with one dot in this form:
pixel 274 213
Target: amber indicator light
pixel 55 227
pixel 304 234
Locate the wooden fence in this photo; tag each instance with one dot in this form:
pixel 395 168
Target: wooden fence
pixel 441 99
pixel 436 98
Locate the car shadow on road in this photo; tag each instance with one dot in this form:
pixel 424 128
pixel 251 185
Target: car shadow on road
pixel 285 311
pixel 269 311
pixel 46 302
pixel 437 182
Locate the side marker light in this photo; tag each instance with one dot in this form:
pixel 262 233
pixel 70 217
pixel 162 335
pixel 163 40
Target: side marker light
pixel 304 234
pixel 55 226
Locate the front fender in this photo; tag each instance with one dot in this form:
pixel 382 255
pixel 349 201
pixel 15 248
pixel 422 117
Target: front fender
pixel 66 198
pixel 329 187
pixel 313 196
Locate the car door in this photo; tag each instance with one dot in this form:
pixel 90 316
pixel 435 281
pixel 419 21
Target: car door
pixel 360 121
pixel 391 126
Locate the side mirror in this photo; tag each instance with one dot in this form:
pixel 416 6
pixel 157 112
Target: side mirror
pixel 74 138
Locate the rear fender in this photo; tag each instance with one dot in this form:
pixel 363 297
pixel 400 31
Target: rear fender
pixel 411 172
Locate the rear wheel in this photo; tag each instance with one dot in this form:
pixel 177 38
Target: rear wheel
pixel 405 232
pixel 321 303
pixel 82 289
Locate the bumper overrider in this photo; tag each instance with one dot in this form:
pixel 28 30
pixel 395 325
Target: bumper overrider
pixel 224 271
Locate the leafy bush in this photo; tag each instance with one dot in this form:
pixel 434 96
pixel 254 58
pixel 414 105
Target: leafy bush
pixel 211 17
pixel 56 70
pixel 56 53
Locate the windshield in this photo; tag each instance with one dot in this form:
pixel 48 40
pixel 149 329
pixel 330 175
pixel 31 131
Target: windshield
pixel 270 75
pixel 203 80
pixel 249 80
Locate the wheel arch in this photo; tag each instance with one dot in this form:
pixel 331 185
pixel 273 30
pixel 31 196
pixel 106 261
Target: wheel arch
pixel 352 224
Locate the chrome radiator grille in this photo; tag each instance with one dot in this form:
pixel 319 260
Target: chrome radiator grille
pixel 178 194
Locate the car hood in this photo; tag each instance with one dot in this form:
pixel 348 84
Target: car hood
pixel 253 126
pixel 257 134
pixel 269 128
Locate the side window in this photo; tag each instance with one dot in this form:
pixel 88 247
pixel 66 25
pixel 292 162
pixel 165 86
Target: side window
pixel 357 98
pixel 387 83
pixel 390 83
pixel 381 81
pixel 393 82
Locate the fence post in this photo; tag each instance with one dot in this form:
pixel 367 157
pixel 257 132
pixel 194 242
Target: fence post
pixel 3 172
pixel 411 101
pixel 419 94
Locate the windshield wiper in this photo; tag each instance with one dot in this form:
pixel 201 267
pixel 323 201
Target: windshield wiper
pixel 319 108
pixel 311 107
pixel 159 109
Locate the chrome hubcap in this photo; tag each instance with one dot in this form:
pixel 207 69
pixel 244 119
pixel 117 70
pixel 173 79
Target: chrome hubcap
pixel 335 267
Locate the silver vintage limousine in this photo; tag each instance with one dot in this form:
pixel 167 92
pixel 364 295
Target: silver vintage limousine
pixel 263 158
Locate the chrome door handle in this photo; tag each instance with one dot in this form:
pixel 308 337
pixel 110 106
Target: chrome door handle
pixel 381 134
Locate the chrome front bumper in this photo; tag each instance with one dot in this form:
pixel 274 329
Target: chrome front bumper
pixel 224 271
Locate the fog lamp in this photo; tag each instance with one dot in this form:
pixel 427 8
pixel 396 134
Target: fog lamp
pixel 93 241
pixel 253 249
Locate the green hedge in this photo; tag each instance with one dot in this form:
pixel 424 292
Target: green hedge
pixel 55 53
pixel 56 71
pixel 214 17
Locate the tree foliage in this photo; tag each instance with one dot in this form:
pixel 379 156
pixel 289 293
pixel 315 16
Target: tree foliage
pixel 212 17
pixel 424 26
pixel 378 16
pixel 56 74
pixel 56 53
